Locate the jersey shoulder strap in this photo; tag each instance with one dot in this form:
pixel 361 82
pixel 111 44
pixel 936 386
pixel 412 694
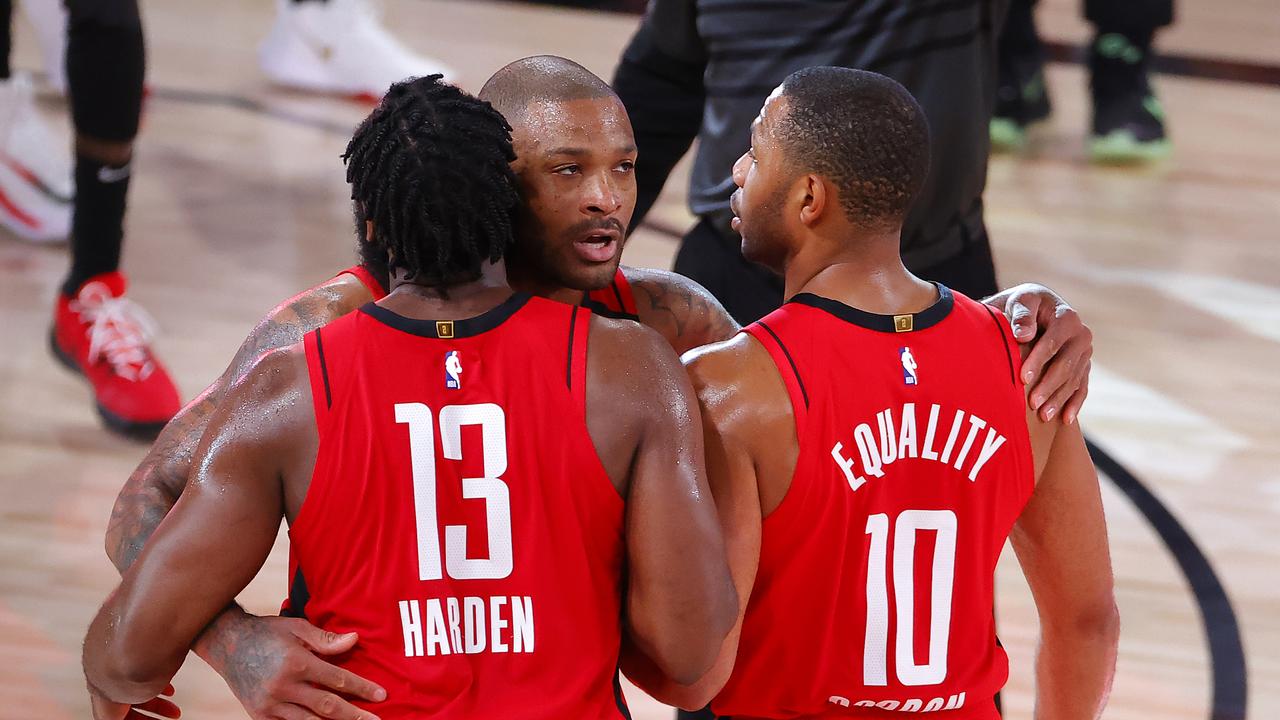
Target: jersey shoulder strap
pixel 576 364
pixel 786 364
pixel 361 273
pixel 328 351
pixel 615 301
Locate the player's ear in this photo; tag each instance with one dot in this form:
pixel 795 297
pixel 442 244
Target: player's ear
pixel 816 198
pixel 368 231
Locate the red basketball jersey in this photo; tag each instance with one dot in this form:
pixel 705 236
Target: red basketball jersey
pixel 615 301
pixel 874 592
pixel 459 518
pixel 362 274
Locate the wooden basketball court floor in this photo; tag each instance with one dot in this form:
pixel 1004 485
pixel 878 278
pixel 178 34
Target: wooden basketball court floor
pixel 238 201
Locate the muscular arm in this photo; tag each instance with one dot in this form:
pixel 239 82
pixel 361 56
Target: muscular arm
pixel 265 661
pixel 155 485
pixel 216 537
pixel 681 310
pixel 642 415
pixel 1061 543
pixel 751 452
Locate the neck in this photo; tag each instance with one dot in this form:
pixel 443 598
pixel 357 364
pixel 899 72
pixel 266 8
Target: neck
pixel 865 272
pixel 524 280
pixel 455 302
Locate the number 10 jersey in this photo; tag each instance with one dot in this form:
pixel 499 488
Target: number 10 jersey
pixel 873 596
pixel 459 518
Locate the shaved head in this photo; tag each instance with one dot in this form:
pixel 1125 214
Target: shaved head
pixel 541 78
pixel 575 161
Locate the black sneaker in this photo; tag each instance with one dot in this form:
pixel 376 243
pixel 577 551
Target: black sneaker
pixel 1021 96
pixel 1128 121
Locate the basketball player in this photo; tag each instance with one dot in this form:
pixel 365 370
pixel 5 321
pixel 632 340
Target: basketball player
pixel 571 494
pixel 269 662
pixel 870 450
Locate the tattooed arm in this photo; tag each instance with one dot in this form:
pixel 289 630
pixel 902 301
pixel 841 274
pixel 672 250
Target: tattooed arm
pixel 157 482
pixel 681 310
pixel 262 659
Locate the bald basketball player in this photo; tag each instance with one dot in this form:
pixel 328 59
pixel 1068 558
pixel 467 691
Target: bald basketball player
pixel 575 198
pixel 870 450
pixel 574 429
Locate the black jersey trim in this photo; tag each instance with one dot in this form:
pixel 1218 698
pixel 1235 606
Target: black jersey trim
pixel 461 328
pixel 922 320
pixel 324 370
pixel 618 697
pixel 618 294
pixel 794 370
pixel 568 365
pixel 1004 344
pixel 603 310
pixel 299 596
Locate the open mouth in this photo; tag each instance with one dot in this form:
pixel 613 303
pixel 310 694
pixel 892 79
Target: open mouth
pixel 598 247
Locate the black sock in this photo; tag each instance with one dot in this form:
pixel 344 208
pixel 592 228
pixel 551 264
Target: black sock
pixel 97 223
pixel 6 36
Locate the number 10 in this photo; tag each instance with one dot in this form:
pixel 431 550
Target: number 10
pixel 875 648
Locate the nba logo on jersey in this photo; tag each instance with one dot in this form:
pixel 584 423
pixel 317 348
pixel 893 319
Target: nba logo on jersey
pixel 908 367
pixel 452 370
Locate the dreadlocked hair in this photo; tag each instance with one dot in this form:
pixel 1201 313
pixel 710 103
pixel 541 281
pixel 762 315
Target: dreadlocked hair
pixel 431 168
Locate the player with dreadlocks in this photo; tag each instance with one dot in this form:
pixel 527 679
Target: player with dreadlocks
pixel 445 495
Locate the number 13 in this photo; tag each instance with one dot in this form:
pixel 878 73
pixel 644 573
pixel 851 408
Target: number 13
pixel 491 488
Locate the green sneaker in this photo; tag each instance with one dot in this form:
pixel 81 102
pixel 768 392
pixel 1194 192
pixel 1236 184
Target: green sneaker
pixel 1128 120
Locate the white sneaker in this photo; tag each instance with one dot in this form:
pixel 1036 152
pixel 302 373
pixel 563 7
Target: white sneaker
pixel 338 46
pixel 49 18
pixel 36 188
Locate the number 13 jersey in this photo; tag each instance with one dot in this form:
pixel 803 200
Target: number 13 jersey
pixel 873 596
pixel 459 518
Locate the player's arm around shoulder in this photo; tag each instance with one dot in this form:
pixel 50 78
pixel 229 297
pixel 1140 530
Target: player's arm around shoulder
pixel 1056 367
pixel 154 486
pixel 643 418
pixel 1061 543
pixel 680 309
pixel 216 537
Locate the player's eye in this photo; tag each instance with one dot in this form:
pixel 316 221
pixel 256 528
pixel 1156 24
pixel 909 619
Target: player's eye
pixel 567 170
pixel 627 166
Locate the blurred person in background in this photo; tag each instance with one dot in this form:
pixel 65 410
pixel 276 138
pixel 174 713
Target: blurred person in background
pixel 96 51
pixel 338 46
pixel 45 195
pixel 1128 120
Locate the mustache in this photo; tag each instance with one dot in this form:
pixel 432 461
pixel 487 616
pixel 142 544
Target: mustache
pixel 586 226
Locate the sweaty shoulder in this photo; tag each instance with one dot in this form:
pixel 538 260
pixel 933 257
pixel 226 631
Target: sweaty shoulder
pixel 268 411
pixel 681 310
pixel 299 315
pixel 633 379
pixel 745 402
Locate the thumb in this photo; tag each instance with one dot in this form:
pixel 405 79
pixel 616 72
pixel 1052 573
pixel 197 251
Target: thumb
pixel 324 642
pixel 1022 316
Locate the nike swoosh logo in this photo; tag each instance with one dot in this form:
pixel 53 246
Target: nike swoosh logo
pixel 110 175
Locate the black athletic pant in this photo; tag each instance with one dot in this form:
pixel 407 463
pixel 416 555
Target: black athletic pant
pixel 106 62
pixel 1135 19
pixel 749 292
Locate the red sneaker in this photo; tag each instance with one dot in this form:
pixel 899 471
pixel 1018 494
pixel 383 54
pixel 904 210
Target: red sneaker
pixel 106 337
